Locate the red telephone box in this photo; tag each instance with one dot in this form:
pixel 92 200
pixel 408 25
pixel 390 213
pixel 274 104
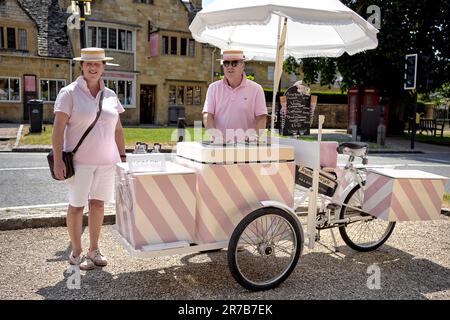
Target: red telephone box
pixel 370 98
pixel 353 111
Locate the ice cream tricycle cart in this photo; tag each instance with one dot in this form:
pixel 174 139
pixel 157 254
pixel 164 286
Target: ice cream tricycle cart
pixel 245 197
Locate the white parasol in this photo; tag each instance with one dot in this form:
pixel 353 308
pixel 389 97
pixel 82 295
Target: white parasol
pixel 320 28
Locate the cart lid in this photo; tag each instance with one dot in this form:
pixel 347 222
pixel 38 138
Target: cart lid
pixel 234 153
pixel 171 168
pixel 407 174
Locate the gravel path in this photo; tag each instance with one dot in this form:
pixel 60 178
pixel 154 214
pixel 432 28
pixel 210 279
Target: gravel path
pixel 415 264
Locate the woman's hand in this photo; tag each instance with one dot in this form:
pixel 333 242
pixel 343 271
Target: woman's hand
pixel 59 168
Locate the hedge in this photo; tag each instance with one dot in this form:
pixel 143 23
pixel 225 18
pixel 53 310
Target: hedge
pixel 322 97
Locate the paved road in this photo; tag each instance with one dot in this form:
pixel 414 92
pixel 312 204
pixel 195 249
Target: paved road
pixel 414 264
pixel 25 179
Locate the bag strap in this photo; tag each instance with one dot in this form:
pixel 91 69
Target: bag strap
pixel 92 124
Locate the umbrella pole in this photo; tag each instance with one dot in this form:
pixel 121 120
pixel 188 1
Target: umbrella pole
pixel 275 85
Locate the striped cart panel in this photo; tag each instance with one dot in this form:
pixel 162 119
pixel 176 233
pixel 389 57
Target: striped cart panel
pixel 408 198
pixel 157 208
pixel 227 193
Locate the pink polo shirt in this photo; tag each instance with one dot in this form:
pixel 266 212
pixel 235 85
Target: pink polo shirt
pixel 235 108
pixel 99 147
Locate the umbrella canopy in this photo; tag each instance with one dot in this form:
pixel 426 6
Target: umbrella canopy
pixel 324 28
pixel 321 28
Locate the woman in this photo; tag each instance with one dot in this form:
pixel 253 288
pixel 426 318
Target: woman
pixel 75 110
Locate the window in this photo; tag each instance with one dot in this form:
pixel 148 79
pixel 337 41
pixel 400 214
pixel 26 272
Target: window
pixel 197 96
pixel 103 37
pixel 149 29
pixel 122 39
pixel 92 37
pixel 11 38
pixel 189 95
pixel 2 41
pixel 9 89
pixel 172 95
pixel 123 89
pixel 112 43
pixel 173 45
pixel 180 95
pixel 293 77
pixel 191 48
pixel 129 46
pixel 22 39
pixel 144 1
pixel 183 46
pixel 50 89
pixel 270 72
pixel 110 38
pixel 165 45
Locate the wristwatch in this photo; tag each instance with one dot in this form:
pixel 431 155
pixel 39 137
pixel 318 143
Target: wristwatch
pixel 123 157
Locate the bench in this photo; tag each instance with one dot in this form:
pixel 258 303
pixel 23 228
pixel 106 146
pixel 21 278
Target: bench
pixel 428 125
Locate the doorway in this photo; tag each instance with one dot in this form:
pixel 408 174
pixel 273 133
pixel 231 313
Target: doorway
pixel 29 93
pixel 147 104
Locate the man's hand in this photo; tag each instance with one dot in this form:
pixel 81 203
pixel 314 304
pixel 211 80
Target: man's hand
pixel 59 168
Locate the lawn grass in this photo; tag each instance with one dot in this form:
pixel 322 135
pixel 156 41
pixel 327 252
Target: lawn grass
pixel 447 200
pixel 166 136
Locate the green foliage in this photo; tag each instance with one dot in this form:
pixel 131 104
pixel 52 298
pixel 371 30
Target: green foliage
pixel 249 77
pixel 406 27
pixel 291 65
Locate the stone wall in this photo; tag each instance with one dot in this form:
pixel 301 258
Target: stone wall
pixel 335 115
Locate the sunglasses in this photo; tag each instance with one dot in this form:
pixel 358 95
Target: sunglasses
pixel 233 63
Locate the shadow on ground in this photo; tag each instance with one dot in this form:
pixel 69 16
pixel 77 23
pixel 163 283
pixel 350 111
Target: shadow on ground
pixel 318 275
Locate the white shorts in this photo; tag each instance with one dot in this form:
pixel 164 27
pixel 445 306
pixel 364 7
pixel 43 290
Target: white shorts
pixel 91 182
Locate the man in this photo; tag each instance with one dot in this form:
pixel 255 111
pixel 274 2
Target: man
pixel 235 106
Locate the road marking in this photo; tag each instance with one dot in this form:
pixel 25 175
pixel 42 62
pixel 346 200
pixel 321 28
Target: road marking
pixel 399 165
pixel 49 205
pixel 19 135
pixel 18 169
pixel 437 160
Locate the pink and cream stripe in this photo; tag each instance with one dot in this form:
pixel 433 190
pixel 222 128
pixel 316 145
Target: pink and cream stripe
pixel 227 193
pixel 403 199
pixel 164 209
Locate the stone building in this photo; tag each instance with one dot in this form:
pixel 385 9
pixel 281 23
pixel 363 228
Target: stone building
pixel 162 73
pixel 35 56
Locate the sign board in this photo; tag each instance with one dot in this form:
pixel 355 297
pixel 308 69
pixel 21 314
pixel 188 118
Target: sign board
pixel 296 120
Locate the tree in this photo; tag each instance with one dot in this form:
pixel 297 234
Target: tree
pixel 421 27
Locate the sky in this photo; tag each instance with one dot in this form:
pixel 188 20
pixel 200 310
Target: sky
pixel 206 2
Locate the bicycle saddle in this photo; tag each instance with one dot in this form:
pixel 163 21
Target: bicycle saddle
pixel 352 145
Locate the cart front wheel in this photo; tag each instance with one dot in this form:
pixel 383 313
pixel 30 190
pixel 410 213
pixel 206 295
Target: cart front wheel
pixel 363 235
pixel 264 248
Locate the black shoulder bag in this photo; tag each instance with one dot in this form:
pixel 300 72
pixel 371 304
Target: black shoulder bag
pixel 67 157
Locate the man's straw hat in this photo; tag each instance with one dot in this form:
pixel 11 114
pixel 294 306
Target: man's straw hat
pixel 232 55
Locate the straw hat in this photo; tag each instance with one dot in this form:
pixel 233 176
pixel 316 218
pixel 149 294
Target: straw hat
pixel 232 55
pixel 93 54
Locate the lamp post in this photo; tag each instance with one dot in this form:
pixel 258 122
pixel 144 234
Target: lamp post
pixel 84 8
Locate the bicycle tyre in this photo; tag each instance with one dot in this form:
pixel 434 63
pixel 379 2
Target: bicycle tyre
pixel 245 264
pixel 345 231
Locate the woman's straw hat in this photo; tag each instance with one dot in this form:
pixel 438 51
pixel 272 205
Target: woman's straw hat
pixel 93 54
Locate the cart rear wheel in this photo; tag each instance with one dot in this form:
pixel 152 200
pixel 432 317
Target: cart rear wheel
pixel 366 235
pixel 264 248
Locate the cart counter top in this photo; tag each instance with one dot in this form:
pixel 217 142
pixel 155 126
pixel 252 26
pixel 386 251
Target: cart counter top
pixel 170 168
pixel 234 153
